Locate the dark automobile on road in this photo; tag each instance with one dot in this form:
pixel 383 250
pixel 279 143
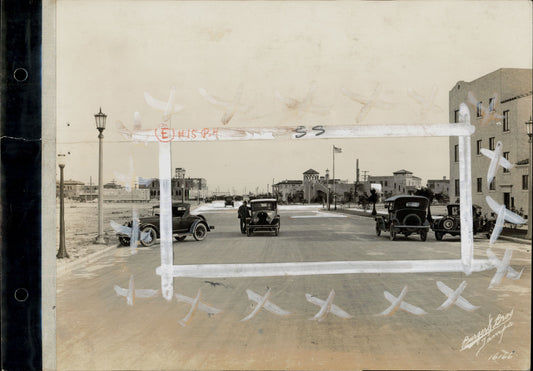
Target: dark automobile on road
pixel 264 216
pixel 406 215
pixel 451 223
pixel 184 224
pixel 228 201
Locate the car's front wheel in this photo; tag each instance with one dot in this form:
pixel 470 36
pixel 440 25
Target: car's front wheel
pixel 392 234
pixel 200 232
pixel 150 239
pixel 124 241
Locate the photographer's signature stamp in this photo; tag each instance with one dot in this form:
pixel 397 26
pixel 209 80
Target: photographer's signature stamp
pixel 495 330
pixel 502 355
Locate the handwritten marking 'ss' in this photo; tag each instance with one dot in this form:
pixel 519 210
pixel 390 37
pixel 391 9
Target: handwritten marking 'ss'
pixel 320 130
pixel 301 131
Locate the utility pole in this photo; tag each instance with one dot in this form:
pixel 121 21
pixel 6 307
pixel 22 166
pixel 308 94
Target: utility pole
pixel 357 171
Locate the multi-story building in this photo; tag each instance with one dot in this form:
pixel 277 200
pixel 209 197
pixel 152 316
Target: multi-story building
pixel 500 105
pixel 313 188
pixel 287 189
pixel 71 188
pixel 186 188
pixel 439 186
pixel 401 182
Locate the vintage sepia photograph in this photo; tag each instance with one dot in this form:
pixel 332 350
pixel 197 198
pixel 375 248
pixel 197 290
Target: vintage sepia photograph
pixel 290 185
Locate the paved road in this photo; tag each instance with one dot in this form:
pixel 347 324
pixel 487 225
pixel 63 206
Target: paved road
pixel 97 329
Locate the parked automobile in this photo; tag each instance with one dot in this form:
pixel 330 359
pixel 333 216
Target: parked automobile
pixel 406 215
pixel 184 224
pixel 228 201
pixel 451 223
pixel 263 216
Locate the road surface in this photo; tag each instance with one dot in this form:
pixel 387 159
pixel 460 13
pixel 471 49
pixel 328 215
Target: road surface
pixel 98 330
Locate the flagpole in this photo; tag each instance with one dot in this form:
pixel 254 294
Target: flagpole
pixel 334 194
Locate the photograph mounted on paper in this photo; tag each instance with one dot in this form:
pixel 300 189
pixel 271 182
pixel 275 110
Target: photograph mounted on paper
pixel 295 185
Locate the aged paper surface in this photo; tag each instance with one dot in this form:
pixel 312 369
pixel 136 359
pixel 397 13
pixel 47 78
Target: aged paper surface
pixel 210 68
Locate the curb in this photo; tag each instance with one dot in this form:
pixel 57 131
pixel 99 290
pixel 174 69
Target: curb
pixel 515 239
pixel 70 266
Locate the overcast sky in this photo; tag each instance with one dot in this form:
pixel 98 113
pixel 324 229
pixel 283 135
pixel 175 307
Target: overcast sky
pixel 109 53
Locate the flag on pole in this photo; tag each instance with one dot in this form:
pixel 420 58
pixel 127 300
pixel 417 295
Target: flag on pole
pixel 337 150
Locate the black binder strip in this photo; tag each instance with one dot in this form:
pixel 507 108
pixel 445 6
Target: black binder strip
pixel 20 175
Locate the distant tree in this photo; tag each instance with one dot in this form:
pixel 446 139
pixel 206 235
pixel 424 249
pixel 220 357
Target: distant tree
pixel 442 198
pixel 430 195
pixel 426 192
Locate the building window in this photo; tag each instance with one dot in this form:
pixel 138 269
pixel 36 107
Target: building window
pixel 480 184
pixel 506 120
pixel 457 187
pixel 506 156
pixel 478 110
pixel 478 147
pixel 456 116
pixel 492 104
pixel 456 153
pixel 491 143
pixel 386 183
pixel 492 185
pixel 525 182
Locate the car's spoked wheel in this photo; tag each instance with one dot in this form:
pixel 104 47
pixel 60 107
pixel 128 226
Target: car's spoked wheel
pixel 152 236
pixel 489 233
pixel 392 234
pixel 423 235
pixel 448 223
pixel 200 232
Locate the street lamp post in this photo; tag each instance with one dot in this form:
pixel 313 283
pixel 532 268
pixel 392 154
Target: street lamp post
pixel 100 126
pixel 62 253
pixel 529 129
pixel 181 175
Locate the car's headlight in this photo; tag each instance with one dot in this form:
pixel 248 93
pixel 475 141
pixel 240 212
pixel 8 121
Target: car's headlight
pixel 268 219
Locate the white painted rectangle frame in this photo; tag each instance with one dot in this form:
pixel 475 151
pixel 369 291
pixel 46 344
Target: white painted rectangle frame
pixel 467 264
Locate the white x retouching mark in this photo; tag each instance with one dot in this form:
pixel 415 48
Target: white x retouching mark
pixel 131 293
pixel 397 302
pixel 326 307
pixel 503 268
pixel 195 303
pixel 454 297
pixel 263 302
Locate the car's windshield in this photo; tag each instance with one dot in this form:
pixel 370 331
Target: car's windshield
pixel 176 211
pixel 263 206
